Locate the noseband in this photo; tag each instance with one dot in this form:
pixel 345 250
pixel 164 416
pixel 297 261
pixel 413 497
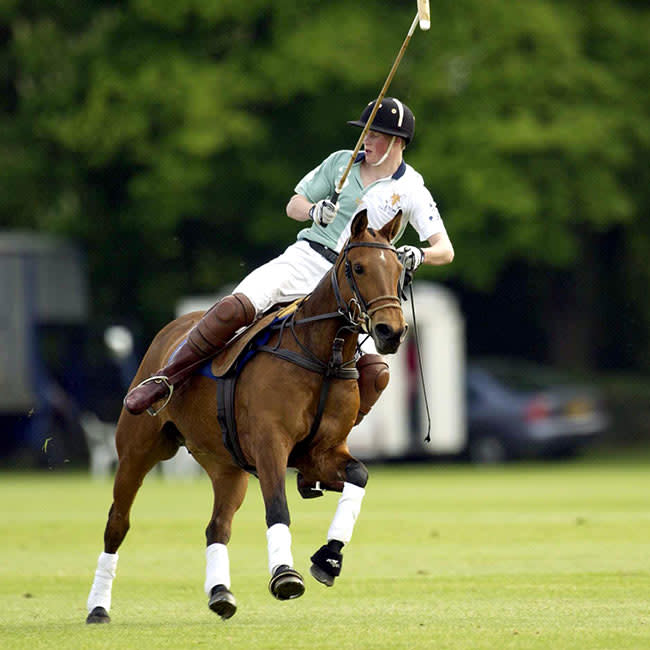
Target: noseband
pixel 358 311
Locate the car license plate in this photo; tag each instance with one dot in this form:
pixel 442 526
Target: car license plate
pixel 578 408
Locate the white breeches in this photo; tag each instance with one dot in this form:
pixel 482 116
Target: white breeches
pixel 286 278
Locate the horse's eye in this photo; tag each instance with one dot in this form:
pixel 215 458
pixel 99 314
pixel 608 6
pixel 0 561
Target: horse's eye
pixel 358 268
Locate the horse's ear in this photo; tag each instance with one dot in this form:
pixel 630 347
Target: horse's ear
pixel 359 223
pixel 390 230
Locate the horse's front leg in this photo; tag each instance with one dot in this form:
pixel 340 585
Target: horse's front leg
pixel 286 582
pixel 328 560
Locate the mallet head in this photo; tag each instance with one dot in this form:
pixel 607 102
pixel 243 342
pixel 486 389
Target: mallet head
pixel 424 14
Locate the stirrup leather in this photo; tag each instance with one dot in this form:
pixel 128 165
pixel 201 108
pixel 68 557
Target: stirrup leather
pixel 159 379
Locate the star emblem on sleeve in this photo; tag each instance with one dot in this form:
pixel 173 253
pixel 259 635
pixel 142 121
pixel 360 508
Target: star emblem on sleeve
pixel 394 200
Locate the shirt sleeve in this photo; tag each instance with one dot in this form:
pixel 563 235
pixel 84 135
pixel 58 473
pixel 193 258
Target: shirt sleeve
pixel 319 182
pixel 424 215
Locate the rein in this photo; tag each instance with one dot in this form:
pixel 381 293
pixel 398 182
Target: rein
pixel 422 382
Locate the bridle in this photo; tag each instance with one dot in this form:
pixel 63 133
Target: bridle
pixel 358 311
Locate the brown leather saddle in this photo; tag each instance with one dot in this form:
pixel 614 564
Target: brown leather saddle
pixel 227 357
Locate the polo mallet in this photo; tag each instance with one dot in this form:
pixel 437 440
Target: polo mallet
pixel 423 17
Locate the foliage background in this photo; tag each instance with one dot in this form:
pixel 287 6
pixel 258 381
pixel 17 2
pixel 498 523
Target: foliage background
pixel 165 137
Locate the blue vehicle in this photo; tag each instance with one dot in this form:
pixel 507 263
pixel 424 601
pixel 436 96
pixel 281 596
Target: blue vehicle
pixel 517 411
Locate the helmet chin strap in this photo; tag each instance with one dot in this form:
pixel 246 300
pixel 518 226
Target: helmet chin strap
pixel 383 158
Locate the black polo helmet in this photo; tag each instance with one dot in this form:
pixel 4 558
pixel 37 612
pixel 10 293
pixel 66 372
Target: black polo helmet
pixel 392 117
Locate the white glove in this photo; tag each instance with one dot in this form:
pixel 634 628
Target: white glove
pixel 411 257
pixel 323 212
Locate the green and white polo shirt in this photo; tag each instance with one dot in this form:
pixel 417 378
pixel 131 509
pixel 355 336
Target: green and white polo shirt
pixel 403 190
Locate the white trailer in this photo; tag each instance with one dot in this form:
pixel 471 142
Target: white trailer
pixel 397 424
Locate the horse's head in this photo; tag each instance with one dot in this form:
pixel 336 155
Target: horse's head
pixel 368 273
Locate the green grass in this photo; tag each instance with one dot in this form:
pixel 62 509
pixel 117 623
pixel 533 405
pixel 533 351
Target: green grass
pixel 532 556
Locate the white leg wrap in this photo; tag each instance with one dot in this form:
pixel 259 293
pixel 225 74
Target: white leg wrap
pixel 100 592
pixel 278 538
pixel 346 513
pixel 217 567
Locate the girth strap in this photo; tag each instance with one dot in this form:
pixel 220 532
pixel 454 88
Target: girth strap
pixel 226 416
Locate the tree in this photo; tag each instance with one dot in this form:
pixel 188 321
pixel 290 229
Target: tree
pixel 166 137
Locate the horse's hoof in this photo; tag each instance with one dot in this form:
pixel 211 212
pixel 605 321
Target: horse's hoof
pixel 327 563
pixel 98 615
pixel 286 583
pixel 321 576
pixel 222 602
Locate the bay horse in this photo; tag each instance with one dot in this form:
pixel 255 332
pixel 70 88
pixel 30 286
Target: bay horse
pixel 295 403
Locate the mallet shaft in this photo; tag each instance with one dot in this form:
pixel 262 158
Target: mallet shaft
pixel 334 198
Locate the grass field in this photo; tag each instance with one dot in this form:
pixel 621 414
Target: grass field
pixel 445 557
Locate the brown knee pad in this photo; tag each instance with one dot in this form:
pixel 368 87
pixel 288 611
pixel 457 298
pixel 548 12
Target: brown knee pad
pixel 220 322
pixel 373 379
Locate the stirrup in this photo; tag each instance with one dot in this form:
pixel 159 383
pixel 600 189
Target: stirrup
pixel 159 379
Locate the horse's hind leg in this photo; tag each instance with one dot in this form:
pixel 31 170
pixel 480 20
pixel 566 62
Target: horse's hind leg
pixel 140 446
pixel 229 487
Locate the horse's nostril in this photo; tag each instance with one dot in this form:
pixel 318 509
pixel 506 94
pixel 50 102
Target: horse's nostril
pixel 384 331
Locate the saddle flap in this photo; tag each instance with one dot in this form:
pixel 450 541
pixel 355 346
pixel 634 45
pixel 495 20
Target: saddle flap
pixel 224 361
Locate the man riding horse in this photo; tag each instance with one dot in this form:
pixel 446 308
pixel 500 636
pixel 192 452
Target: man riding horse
pixel 379 181
pixel 354 293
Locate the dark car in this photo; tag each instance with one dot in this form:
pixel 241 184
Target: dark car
pixel 523 411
